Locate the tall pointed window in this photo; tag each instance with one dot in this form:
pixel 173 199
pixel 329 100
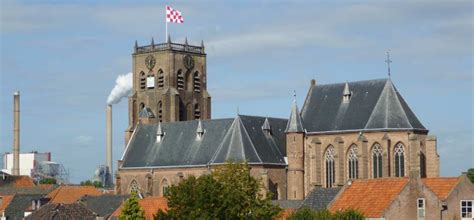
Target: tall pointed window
pixel 330 169
pixel 377 160
pixel 160 111
pixel 197 82
pixel 161 79
pixel 353 163
pixel 197 111
pixel 142 80
pixel 164 185
pixel 422 165
pixel 180 80
pixel 134 187
pixel 399 160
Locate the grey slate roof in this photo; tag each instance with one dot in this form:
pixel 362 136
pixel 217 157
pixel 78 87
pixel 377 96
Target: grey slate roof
pixel 240 139
pixel 319 198
pixel 19 204
pixel 146 113
pixel 103 205
pixel 295 123
pixel 63 211
pixel 373 105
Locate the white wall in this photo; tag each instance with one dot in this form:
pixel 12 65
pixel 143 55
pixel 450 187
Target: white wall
pixel 27 162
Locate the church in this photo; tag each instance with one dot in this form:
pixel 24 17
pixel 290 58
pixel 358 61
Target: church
pixel 344 131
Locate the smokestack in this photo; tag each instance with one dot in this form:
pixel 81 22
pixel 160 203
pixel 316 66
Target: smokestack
pixel 16 134
pixel 108 131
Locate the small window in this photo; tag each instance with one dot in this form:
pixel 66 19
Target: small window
pixel 466 209
pixel 421 208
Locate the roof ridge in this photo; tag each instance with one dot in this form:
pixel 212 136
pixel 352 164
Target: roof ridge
pixel 373 109
pixel 359 81
pixel 399 103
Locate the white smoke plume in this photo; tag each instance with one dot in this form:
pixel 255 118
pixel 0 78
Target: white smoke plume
pixel 123 87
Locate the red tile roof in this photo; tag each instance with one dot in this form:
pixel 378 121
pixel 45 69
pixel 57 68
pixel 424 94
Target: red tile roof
pixel 370 196
pixel 5 201
pixel 150 205
pixel 441 186
pixel 70 194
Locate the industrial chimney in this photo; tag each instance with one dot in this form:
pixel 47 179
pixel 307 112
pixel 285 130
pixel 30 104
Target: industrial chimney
pixel 108 131
pixel 16 134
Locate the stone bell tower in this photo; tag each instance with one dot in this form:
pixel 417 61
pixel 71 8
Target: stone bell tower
pixel 169 84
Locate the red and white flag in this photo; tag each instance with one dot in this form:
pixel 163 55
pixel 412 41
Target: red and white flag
pixel 173 15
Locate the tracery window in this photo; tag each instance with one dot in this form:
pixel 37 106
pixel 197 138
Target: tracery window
pixel 399 160
pixel 377 160
pixel 197 82
pixel 353 163
pixel 142 80
pixel 160 111
pixel 134 187
pixel 161 79
pixel 164 185
pixel 180 80
pixel 197 111
pixel 330 169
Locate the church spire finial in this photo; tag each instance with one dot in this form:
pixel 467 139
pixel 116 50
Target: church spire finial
pixel 388 61
pixel 186 41
pixel 152 42
pixel 169 39
pixel 135 48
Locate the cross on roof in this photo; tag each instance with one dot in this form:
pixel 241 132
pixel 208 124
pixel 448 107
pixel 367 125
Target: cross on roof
pixel 388 61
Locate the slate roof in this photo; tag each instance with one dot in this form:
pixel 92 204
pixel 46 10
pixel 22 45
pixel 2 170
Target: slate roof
pixel 19 204
pixel 373 105
pixel 241 138
pixel 63 211
pixel 103 205
pixel 319 198
pixel 441 186
pixel 146 113
pixel 295 124
pixel 370 196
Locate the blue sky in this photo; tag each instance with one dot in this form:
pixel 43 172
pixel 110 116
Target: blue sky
pixel 64 57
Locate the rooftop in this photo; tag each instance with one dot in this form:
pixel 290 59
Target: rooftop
pixel 150 206
pixel 169 46
pixel 441 186
pixel 70 194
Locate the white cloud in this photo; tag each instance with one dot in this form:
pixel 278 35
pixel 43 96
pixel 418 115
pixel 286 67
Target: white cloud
pixel 83 139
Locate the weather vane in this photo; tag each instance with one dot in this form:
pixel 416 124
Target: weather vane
pixel 388 61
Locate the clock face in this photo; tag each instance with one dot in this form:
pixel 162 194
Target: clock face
pixel 150 62
pixel 188 62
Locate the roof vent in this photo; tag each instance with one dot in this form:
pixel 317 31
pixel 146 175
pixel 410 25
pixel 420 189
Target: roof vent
pixel 346 94
pixel 159 133
pixel 199 130
pixel 267 129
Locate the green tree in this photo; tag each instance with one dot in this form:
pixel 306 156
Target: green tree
pixel 230 192
pixel 309 214
pixel 131 210
pixel 47 181
pixel 96 184
pixel 470 174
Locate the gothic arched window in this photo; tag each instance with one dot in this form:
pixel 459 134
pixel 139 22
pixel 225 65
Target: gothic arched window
pixel 377 160
pixel 164 185
pixel 353 163
pixel 330 169
pixel 142 80
pixel 134 187
pixel 149 185
pixel 161 79
pixel 422 165
pixel 160 111
pixel 180 80
pixel 399 160
pixel 197 82
pixel 197 111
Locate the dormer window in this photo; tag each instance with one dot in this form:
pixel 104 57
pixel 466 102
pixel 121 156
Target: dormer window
pixel 346 96
pixel 159 133
pixel 266 127
pixel 199 130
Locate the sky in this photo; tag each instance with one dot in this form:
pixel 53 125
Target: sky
pixel 64 57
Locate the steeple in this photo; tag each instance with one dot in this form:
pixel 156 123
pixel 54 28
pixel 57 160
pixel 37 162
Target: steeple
pixel 199 130
pixel 159 133
pixel 295 124
pixel 346 94
pixel 266 127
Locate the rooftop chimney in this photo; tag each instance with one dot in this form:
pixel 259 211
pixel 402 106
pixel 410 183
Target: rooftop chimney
pixel 108 131
pixel 16 134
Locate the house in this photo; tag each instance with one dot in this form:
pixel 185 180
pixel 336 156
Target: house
pixel 103 205
pixel 71 194
pixel 150 206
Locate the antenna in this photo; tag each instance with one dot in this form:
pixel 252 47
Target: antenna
pixel 388 61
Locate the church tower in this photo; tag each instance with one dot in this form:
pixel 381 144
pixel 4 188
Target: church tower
pixel 295 153
pixel 169 84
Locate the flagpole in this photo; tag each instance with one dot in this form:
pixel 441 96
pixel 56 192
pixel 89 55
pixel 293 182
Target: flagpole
pixel 166 22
